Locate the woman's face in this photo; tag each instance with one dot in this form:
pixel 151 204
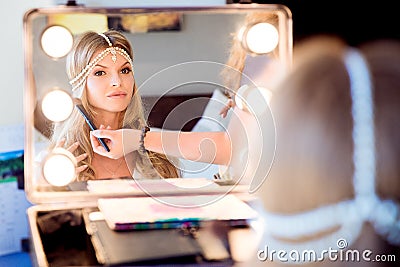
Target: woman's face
pixel 110 84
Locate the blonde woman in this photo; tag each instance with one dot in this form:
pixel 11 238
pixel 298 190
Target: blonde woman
pixel 101 74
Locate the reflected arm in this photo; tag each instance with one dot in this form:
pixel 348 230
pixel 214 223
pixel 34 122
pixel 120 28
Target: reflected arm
pixel 210 147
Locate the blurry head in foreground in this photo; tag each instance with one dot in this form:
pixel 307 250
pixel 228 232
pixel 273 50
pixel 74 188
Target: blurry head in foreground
pixel 335 181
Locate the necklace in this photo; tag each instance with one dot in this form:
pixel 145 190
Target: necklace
pixel 113 173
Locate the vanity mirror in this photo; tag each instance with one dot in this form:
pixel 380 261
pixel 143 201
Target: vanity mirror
pixel 179 55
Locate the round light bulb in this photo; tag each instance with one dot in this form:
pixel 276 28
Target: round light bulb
pixel 59 167
pixel 56 41
pixel 261 38
pixel 267 94
pixel 240 97
pixel 253 99
pixel 57 105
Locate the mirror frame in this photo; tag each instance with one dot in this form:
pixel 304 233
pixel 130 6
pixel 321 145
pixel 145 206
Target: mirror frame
pixel 30 98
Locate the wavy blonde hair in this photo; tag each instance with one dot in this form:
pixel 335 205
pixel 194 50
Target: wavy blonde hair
pixel 232 73
pixel 75 129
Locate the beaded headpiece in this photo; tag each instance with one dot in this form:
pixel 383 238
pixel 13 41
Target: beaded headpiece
pixel 78 80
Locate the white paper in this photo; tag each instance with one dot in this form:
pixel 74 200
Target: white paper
pixel 119 211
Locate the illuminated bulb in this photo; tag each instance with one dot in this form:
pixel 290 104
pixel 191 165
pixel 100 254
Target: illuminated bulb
pixel 56 41
pixel 240 97
pixel 57 105
pixel 267 94
pixel 253 99
pixel 59 167
pixel 261 38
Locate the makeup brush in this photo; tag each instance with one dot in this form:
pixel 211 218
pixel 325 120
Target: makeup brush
pixel 83 112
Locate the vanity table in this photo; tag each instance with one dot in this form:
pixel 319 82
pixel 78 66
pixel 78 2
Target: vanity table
pixel 184 54
pixel 63 235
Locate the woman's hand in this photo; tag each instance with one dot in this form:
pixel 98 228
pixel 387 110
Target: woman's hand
pixel 71 149
pixel 224 111
pixel 120 142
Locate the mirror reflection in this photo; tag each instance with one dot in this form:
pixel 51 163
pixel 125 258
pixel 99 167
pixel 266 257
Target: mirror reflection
pixel 170 62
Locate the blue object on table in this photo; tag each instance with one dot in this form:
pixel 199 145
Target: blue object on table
pixel 19 259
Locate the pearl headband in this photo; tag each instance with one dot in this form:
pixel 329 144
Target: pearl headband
pixel 350 215
pixel 79 79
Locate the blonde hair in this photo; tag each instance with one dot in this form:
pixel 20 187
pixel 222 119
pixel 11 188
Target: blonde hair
pixel 74 129
pixel 314 164
pixel 232 73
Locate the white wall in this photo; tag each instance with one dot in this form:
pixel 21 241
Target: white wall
pixel 12 60
pixel 11 47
